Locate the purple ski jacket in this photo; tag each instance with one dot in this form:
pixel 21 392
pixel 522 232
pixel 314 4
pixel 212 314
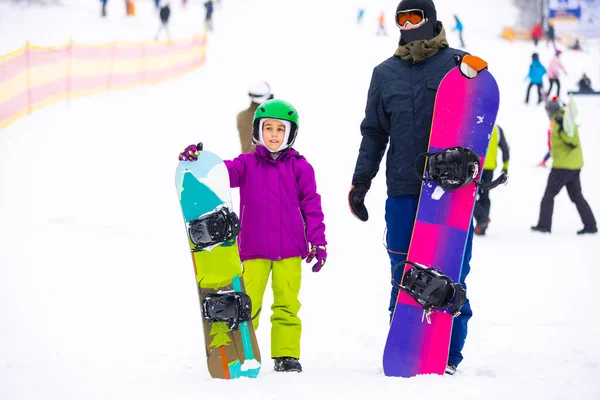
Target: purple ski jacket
pixel 280 209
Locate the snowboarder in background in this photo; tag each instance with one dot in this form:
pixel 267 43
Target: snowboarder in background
pixel 164 14
pixel 536 77
pixel 576 46
pixel 258 93
pixel 402 114
pixel 103 11
pixel 483 204
pixel 551 35
pixel 585 86
pixel 360 16
pixel 281 223
pixel 536 33
pixel 554 69
pixel 381 24
pixel 567 162
pixel 208 23
pixel 459 27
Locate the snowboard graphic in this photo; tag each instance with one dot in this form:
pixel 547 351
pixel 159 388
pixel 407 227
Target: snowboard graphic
pixel 464 115
pixel 203 189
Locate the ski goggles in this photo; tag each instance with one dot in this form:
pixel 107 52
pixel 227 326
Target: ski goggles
pixel 414 17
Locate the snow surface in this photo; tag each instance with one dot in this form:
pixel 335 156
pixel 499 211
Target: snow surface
pixel 97 296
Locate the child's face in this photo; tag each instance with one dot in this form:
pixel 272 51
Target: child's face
pixel 273 133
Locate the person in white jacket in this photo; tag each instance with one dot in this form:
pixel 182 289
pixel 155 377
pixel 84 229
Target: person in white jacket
pixel 554 69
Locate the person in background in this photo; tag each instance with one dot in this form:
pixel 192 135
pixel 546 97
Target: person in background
pixel 208 22
pixel 164 14
pixel 360 16
pixel 103 11
pixel 459 27
pixel 482 206
pixel 381 24
pixel 258 93
pixel 567 162
pixel 551 35
pixel 576 46
pixel 536 77
pixel 585 86
pixel 554 69
pixel 536 33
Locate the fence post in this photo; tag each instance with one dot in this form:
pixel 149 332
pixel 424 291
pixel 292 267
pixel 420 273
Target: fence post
pixel 111 65
pixel 28 52
pixel 143 64
pixel 69 69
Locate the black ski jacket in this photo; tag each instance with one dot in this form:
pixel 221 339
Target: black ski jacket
pixel 399 111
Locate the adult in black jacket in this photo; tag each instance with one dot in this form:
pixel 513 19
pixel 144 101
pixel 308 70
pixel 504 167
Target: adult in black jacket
pixel 399 111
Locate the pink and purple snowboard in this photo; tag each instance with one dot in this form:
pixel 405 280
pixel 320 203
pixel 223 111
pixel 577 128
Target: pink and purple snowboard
pixel 464 115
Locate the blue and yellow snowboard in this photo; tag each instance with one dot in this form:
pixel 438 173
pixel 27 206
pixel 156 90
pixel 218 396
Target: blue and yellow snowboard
pixel 203 187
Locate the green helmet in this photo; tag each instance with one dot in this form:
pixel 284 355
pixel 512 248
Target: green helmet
pixel 276 109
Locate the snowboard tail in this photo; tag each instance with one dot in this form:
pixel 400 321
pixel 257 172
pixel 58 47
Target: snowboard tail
pixel 464 115
pixel 203 188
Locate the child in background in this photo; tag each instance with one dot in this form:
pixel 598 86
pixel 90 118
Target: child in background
pixel 281 223
pixel 536 77
pixel 554 69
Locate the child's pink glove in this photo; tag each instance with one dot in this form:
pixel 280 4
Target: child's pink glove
pixel 191 152
pixel 320 253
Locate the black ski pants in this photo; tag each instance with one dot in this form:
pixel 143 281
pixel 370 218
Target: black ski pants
pixel 539 90
pixel 552 82
pixel 483 204
pixel 557 179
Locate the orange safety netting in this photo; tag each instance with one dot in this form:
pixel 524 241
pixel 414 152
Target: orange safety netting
pixel 33 77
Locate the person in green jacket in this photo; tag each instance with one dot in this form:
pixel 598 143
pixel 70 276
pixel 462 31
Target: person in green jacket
pixel 566 168
pixel 483 204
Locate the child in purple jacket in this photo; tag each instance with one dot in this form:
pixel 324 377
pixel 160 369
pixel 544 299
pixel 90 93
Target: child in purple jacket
pixel 281 223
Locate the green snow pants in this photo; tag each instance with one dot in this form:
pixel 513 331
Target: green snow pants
pixel 286 326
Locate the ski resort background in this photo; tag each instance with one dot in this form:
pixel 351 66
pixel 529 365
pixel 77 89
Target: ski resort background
pixel 97 299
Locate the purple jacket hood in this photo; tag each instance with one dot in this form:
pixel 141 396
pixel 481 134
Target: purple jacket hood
pixel 280 209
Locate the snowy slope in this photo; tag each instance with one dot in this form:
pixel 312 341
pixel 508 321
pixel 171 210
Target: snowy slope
pixel 97 297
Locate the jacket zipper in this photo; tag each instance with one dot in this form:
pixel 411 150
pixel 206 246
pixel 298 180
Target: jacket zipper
pixel 304 226
pixel 241 221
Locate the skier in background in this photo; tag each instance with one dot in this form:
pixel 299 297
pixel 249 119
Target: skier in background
pixel 103 11
pixel 258 93
pixel 567 162
pixel 554 69
pixel 401 114
pixel 551 35
pixel 459 27
pixel 381 25
pixel 483 204
pixel 281 215
pixel 360 16
pixel 536 77
pixel 208 23
pixel 536 33
pixel 164 13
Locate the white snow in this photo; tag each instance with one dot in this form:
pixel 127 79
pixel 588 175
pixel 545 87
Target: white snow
pixel 97 293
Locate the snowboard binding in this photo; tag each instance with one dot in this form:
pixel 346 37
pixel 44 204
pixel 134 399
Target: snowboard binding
pixel 211 229
pixel 431 289
pixel 231 308
pixel 454 168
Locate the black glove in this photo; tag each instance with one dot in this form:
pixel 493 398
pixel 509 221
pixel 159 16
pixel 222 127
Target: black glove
pixel 356 199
